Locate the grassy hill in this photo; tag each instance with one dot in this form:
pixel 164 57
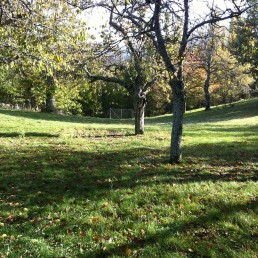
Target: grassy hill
pixel 86 187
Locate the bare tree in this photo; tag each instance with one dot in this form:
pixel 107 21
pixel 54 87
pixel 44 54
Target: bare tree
pixel 205 50
pixel 210 50
pixel 154 18
pixel 128 60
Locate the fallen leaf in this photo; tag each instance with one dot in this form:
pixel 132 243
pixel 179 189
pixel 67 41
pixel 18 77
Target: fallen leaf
pixel 142 232
pixel 82 233
pixel 128 251
pixel 3 236
pixel 95 220
pixel 10 218
pixel 255 235
pixel 97 238
pixel 106 204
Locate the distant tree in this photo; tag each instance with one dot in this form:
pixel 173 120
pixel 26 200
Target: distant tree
pixel 201 59
pixel 129 63
pixel 210 48
pixel 159 99
pixel 45 42
pixel 231 78
pixel 210 63
pixel 194 78
pixel 243 41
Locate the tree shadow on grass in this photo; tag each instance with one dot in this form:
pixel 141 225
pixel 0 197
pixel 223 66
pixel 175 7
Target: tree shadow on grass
pixel 63 118
pixel 28 134
pixel 60 171
pixel 43 178
pixel 227 153
pixel 49 135
pixel 200 232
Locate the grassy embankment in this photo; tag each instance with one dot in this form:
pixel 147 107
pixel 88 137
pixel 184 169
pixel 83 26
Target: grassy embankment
pixel 83 187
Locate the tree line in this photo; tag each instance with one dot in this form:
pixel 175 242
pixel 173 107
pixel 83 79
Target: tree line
pixel 154 56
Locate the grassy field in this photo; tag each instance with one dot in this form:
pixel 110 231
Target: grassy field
pixel 84 187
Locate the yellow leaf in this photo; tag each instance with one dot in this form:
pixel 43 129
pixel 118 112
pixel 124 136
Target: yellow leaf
pixel 142 232
pixel 106 204
pixel 94 220
pixel 3 236
pixel 128 251
pixel 82 233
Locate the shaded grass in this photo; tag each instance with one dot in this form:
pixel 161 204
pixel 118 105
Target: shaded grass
pixel 76 187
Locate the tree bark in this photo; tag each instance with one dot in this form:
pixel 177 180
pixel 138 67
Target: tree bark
pixel 208 78
pixel 33 102
pixel 178 113
pixel 139 103
pixel 210 53
pixel 50 94
pixel 207 93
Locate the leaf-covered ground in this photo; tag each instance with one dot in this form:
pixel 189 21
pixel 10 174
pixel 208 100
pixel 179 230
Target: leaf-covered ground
pixel 83 187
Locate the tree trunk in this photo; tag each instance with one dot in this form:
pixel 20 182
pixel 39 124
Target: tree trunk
pixel 207 93
pixel 210 53
pixel 178 113
pixel 50 94
pixel 139 103
pixel 33 102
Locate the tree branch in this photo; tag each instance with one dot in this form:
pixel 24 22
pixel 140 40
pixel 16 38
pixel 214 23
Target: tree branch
pixel 94 78
pixel 217 19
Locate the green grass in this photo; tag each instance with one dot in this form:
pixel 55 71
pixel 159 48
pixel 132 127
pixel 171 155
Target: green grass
pixel 84 187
